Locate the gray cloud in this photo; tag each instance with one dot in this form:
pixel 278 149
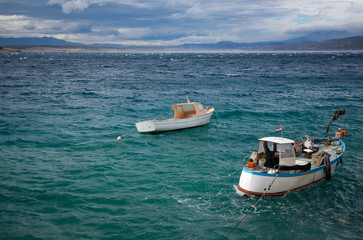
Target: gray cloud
pixel 177 21
pixel 29 27
pixel 57 28
pixel 74 5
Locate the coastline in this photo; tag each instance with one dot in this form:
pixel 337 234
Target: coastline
pixel 345 44
pixel 160 49
pixel 6 49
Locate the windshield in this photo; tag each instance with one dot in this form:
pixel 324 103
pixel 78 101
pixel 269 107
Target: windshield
pixel 261 147
pixel 286 151
pixel 188 107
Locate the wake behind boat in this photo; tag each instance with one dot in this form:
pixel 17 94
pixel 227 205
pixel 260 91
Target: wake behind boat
pixel 281 165
pixel 186 115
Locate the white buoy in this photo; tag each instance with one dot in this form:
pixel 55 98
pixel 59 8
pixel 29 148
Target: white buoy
pixel 119 138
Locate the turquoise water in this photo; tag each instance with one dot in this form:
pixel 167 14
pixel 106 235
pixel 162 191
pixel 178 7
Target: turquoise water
pixel 64 175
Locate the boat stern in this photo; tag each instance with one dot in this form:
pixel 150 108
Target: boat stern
pixel 250 183
pixel 147 126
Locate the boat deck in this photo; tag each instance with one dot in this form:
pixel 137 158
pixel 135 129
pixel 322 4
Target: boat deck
pixel 334 149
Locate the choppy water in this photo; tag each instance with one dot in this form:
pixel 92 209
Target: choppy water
pixel 63 175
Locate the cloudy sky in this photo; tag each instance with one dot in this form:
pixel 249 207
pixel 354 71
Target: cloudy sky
pixel 174 22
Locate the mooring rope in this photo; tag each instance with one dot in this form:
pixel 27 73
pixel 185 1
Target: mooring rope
pixel 273 180
pixel 244 217
pixel 254 205
pixel 128 133
pixel 215 116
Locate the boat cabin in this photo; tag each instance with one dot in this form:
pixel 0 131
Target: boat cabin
pixel 275 150
pixel 186 110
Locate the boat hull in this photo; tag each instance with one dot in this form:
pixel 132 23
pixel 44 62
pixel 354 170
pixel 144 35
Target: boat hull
pixel 173 124
pixel 259 183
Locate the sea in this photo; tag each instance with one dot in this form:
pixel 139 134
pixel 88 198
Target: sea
pixel 64 174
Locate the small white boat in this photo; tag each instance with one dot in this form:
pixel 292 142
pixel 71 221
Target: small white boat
pixel 281 165
pixel 186 115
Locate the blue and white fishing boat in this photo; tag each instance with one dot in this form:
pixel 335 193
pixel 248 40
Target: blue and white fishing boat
pixel 282 165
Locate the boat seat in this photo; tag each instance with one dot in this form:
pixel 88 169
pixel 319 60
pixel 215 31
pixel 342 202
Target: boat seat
pixel 308 153
pixel 301 161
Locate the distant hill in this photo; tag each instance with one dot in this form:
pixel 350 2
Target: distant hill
pixel 314 37
pixel 303 44
pixel 229 45
pixel 108 45
pixel 344 44
pixel 44 41
pixel 319 36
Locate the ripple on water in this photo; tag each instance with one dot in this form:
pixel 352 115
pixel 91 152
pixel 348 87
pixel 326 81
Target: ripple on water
pixel 64 174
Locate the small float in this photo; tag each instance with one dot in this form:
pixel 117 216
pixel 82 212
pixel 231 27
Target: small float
pixel 186 115
pixel 282 165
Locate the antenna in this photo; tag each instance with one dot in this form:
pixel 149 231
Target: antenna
pixel 337 114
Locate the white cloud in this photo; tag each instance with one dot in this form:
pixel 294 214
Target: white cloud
pixel 69 6
pixel 133 33
pixel 196 12
pixel 13 25
pixel 23 26
pixel 75 5
pixel 173 22
pixel 11 17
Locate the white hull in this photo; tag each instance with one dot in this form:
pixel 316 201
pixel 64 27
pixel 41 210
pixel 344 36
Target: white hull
pixel 173 124
pixel 258 183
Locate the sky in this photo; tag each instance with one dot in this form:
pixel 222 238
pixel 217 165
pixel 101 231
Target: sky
pixel 175 22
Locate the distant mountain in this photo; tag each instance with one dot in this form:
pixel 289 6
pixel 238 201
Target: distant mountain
pixel 306 43
pixel 225 45
pixel 344 44
pixel 108 45
pixel 319 37
pixel 314 37
pixel 228 45
pixel 44 41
